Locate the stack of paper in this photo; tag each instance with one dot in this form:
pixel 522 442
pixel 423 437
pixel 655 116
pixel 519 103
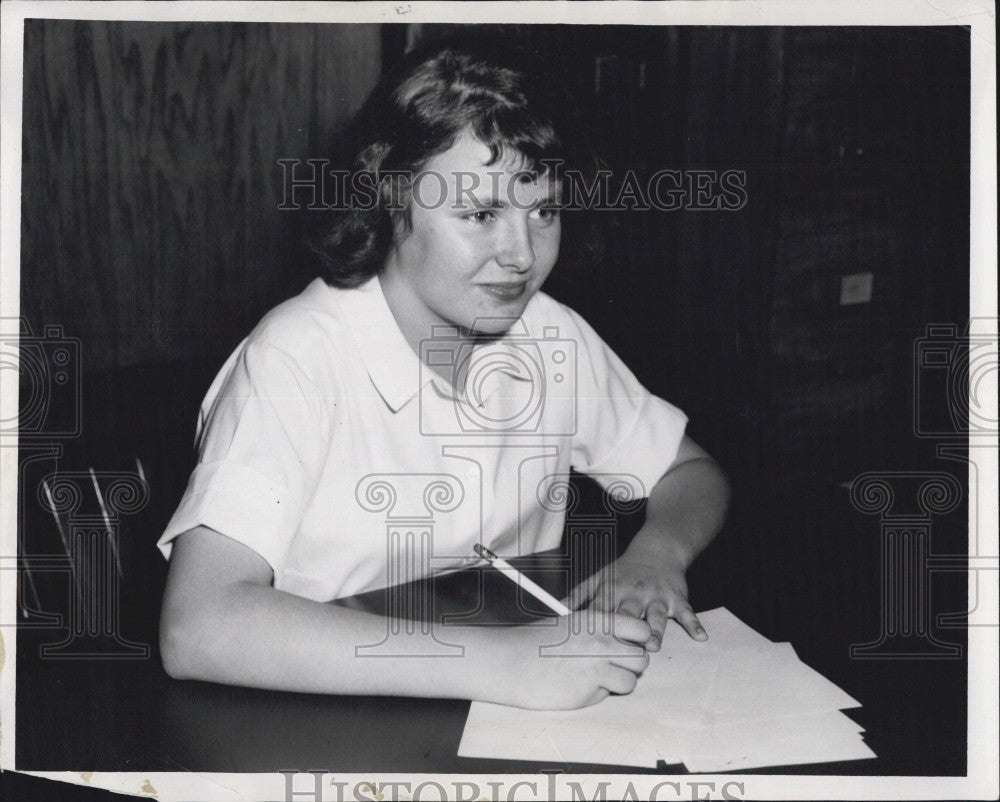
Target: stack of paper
pixel 737 701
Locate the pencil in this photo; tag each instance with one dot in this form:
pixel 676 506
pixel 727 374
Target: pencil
pixel 521 580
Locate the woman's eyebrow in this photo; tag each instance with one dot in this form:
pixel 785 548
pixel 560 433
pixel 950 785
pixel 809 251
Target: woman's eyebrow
pixel 548 199
pixel 489 203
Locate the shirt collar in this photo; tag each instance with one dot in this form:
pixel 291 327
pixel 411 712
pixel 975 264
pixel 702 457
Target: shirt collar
pixel 393 367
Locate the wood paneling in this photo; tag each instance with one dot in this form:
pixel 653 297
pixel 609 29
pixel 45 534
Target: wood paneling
pixel 861 191
pixel 151 187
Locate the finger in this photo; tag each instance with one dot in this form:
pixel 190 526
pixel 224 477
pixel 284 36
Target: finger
pixel 628 629
pixel 599 695
pixel 636 663
pixel 687 619
pixel 657 616
pixel 632 607
pixel 619 680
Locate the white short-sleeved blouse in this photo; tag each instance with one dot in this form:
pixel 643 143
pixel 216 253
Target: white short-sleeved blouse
pixel 329 448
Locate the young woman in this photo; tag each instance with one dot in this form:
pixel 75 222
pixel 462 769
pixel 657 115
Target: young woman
pixel 427 353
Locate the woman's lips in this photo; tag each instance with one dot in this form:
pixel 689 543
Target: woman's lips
pixel 505 292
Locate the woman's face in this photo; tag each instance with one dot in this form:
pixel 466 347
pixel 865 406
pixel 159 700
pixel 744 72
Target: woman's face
pixel 481 242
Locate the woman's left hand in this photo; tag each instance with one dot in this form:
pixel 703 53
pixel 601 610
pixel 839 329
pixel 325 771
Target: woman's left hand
pixel 643 587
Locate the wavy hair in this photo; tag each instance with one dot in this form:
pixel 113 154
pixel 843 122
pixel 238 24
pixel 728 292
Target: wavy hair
pixel 506 99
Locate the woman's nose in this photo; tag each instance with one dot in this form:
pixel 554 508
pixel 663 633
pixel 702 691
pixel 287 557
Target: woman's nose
pixel 516 251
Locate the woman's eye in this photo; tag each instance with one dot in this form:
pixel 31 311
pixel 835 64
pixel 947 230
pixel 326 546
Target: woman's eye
pixel 546 214
pixel 482 216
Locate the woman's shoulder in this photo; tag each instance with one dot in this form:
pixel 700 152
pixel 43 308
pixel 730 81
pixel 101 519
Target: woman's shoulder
pixel 546 316
pixel 313 319
pixel 543 306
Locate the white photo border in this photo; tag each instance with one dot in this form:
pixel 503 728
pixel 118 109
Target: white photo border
pixel 981 781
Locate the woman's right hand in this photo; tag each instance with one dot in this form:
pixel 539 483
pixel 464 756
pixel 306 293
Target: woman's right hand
pixel 575 661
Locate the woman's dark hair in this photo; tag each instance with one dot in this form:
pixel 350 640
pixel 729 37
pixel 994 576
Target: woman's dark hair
pixel 512 104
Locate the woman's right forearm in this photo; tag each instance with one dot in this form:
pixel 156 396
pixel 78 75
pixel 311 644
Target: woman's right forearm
pixel 253 635
pixel 223 621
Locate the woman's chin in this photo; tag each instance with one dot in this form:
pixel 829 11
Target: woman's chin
pixel 493 327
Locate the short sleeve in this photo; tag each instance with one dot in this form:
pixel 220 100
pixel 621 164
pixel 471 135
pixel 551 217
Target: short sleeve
pixel 262 444
pixel 622 428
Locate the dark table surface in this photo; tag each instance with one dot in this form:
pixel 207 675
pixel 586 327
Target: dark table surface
pixel 814 581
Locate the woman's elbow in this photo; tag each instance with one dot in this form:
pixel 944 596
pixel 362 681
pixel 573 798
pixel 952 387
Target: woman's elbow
pixel 725 487
pixel 189 642
pixel 176 646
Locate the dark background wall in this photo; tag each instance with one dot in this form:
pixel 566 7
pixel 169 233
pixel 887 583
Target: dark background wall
pixel 151 228
pixel 152 238
pixel 151 178
pixel 855 146
pixel 151 231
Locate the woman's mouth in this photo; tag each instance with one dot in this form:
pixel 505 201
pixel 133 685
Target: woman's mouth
pixel 505 292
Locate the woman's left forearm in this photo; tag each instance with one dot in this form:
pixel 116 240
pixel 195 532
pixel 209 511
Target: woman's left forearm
pixel 686 509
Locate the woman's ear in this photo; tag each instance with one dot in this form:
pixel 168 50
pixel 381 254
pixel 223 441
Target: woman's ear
pixel 396 196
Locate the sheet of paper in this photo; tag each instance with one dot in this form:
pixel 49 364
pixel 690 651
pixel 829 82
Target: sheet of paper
pixel 726 632
pixel 621 730
pixel 769 683
pixel 784 741
pixel 735 701
pixel 603 736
